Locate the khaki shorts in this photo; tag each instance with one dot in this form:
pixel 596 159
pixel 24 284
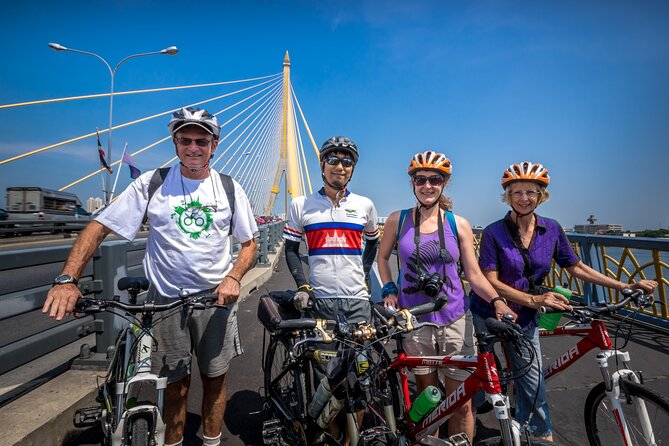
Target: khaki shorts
pixel 454 339
pixel 211 334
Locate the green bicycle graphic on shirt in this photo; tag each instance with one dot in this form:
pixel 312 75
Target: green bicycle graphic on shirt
pixel 193 219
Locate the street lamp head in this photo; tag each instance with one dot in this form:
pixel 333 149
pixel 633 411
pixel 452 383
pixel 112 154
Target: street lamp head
pixel 171 50
pixel 56 46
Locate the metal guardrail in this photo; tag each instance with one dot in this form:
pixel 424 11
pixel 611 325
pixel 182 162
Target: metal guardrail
pixel 625 259
pixel 9 228
pixel 25 279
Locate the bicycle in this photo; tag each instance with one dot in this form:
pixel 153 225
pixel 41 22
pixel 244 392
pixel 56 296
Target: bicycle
pixel 131 398
pixel 620 409
pixel 387 391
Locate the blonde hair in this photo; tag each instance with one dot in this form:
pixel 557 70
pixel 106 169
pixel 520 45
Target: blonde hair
pixel 544 195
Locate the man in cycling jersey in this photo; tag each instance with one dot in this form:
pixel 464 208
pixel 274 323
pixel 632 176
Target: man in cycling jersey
pixel 188 248
pixel 333 222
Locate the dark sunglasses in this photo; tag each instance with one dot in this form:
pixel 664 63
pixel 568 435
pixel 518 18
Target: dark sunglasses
pixel 334 160
pixel 434 180
pixel 201 142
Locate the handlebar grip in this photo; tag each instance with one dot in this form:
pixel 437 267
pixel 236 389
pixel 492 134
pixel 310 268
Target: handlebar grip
pixel 496 327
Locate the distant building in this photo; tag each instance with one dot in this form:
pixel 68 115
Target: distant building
pixel 599 229
pixel 93 204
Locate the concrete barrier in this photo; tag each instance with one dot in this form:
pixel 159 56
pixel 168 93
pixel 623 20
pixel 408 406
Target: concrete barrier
pixel 44 416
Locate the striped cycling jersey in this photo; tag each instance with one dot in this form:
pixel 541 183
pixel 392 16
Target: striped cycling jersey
pixel 333 235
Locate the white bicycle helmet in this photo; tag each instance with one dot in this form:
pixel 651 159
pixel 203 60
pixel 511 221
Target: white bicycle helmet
pixel 194 116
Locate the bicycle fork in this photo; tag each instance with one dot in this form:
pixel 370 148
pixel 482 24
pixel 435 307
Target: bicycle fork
pixel 618 397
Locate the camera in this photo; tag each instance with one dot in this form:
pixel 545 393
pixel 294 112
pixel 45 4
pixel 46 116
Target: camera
pixel 430 284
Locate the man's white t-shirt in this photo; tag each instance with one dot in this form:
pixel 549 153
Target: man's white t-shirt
pixel 189 245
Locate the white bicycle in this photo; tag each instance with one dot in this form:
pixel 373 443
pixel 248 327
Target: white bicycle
pixel 131 398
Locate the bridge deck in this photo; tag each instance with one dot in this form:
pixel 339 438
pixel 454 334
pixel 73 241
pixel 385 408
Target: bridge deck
pixel 567 391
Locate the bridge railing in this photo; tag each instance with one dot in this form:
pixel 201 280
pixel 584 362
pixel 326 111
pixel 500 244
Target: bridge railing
pixel 626 259
pixel 25 279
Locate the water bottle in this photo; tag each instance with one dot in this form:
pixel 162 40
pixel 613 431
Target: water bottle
pixel 320 399
pixel 550 321
pixel 426 401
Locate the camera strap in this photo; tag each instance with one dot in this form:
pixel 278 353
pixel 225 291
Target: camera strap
pixel 514 233
pixel 443 254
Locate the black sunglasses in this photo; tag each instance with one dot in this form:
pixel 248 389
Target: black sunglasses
pixel 201 142
pixel 334 160
pixel 434 180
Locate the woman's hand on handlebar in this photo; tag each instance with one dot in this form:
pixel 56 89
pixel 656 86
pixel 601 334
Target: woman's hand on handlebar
pixel 391 301
pixel 502 312
pixel 551 299
pixel 647 286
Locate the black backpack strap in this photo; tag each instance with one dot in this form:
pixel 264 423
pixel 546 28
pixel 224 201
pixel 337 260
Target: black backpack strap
pixel 229 188
pixel 157 179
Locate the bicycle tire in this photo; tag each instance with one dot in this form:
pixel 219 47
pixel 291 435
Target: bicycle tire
pixel 600 423
pixel 285 390
pixel 139 432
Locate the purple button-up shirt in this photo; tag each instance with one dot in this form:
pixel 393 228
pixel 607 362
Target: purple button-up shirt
pixel 499 253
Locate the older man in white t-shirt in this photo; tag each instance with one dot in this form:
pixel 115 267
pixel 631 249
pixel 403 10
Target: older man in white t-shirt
pixel 188 248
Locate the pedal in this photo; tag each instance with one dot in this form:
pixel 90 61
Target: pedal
pixel 87 417
pixel 271 432
pixel 454 440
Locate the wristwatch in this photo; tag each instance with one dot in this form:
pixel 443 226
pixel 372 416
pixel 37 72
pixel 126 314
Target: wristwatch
pixel 63 279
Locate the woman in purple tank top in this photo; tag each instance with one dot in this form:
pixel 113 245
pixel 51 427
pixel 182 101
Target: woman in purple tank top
pixel 431 243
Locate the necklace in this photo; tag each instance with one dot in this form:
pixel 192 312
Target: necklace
pixel 194 206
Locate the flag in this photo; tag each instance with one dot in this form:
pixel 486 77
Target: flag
pixel 101 153
pixel 134 171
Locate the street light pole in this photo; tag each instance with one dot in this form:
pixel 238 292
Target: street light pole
pixel 170 51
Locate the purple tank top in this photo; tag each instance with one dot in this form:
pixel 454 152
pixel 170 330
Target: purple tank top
pixel 430 262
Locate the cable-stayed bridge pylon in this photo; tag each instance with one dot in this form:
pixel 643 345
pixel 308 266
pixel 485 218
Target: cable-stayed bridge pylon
pixel 260 145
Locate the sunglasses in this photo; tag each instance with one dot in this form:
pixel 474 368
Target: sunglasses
pixel 434 180
pixel 200 142
pixel 334 160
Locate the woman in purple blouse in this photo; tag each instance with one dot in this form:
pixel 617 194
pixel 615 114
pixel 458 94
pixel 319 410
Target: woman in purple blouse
pixel 515 256
pixel 431 242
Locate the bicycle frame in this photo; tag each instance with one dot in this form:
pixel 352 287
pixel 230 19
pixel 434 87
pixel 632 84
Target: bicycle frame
pixel 138 392
pixel 597 336
pixel 484 378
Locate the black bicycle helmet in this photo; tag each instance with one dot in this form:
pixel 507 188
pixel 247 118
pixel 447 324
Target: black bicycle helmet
pixel 339 144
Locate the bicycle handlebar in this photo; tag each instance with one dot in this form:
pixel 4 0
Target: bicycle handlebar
pixel 197 301
pixel 639 298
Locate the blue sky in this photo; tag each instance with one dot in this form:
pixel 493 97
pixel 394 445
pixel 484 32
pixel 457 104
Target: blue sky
pixel 578 86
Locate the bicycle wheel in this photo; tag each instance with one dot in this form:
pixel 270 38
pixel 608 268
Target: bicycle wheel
pixel 285 392
pixel 600 421
pixel 139 432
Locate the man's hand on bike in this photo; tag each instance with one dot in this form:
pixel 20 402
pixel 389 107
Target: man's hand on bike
pixel 228 291
pixel 304 297
pixel 60 300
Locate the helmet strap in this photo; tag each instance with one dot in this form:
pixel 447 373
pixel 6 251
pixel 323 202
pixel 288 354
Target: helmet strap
pixel 195 169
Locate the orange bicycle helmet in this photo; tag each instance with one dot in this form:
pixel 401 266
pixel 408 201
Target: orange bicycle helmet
pixel 430 160
pixel 526 171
